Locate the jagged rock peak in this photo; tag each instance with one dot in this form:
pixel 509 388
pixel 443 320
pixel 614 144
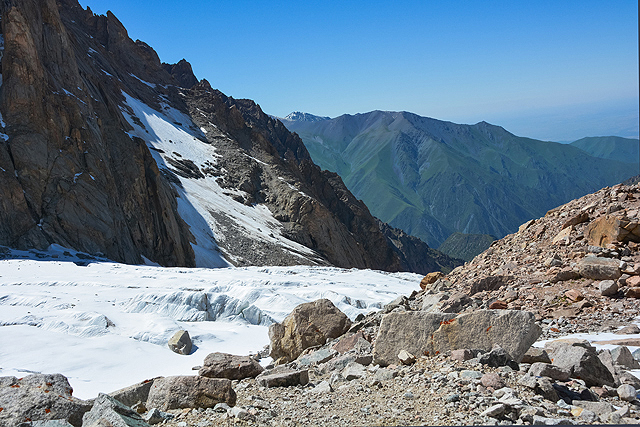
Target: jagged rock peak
pixel 182 72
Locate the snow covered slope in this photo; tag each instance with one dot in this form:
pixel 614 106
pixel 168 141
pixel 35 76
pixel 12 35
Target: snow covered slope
pixel 105 325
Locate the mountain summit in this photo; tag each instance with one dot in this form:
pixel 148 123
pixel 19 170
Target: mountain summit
pixel 298 116
pixel 110 152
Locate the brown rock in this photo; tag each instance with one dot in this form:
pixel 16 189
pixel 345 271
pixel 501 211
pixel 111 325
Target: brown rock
pixel 224 365
pixel 462 354
pixel 498 305
pixel 633 281
pixel 565 274
pixel 430 278
pixel 492 380
pixel 574 295
pixel 578 219
pixel 632 292
pixel 611 229
pixel 347 343
pixel 308 325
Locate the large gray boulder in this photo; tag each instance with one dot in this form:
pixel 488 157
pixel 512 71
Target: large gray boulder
pixel 598 268
pixel 181 392
pixel 284 378
pixel 224 365
pixel 582 362
pixel 422 333
pixel 133 394
pixel 107 411
pixel 39 397
pixel 308 325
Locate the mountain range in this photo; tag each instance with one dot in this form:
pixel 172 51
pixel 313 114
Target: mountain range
pixel 432 178
pixel 108 151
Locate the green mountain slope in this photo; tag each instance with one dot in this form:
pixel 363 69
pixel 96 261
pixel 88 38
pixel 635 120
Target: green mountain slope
pixel 431 178
pixel 610 147
pixel 466 246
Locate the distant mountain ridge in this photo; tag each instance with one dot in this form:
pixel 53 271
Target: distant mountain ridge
pixel 431 178
pixel 610 147
pixel 298 116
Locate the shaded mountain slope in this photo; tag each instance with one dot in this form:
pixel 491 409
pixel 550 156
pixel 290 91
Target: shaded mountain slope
pixel 610 147
pixel 432 178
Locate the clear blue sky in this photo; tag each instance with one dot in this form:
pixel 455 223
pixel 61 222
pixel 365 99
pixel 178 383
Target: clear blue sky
pixel 556 70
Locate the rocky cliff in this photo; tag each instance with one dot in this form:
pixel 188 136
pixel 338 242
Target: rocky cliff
pixel 108 151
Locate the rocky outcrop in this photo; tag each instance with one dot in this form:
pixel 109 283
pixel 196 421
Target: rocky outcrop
pixel 308 325
pixel 69 174
pixel 39 397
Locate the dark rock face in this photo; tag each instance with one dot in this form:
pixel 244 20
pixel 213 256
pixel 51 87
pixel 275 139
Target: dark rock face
pixel 72 174
pixel 69 173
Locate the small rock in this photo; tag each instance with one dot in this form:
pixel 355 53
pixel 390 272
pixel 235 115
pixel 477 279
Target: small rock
pixel 539 369
pixel 156 416
pixel 321 388
pixel 493 380
pixel 221 407
pixel 628 330
pixel 608 288
pixel 283 378
pixel 627 392
pixel 535 354
pixel 239 413
pixel 498 305
pixel 623 357
pixel 632 292
pixel 574 295
pixel 462 354
pixel 406 358
pixel 354 371
pixel 494 411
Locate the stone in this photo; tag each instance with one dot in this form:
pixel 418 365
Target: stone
pixel 497 357
pixel 349 342
pixel 48 423
pixel 633 281
pixel 353 371
pixel 623 357
pixel 489 283
pixel 179 392
pixel 582 362
pixel 319 356
pixel 627 392
pixel 574 295
pixel 599 408
pixel 180 343
pixel 498 305
pixel 598 268
pixel 494 411
pixel 430 279
pixel 239 413
pixel 492 380
pixel 582 217
pixel 39 397
pixel 107 411
pixel 565 274
pixel 133 394
pixel 541 386
pixel 423 333
pixel 626 377
pixel 285 378
pixel 608 288
pixel 224 365
pixel 539 369
pixel 535 354
pixel 406 358
pixel 468 374
pixel 462 354
pixel 156 416
pixel 610 229
pixel 632 292
pixel 337 363
pixel 562 238
pixel 546 421
pixel 308 325
pixel 322 388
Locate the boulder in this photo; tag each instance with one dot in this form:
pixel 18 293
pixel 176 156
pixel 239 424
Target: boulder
pixel 582 362
pixel 577 219
pixel 107 411
pixel 283 378
pixel 489 283
pixel 599 408
pixel 608 288
pixel 462 354
pixel 628 330
pixel 133 394
pixel 610 229
pixel 623 357
pixel 535 354
pixel 308 325
pixel 224 365
pixel 632 292
pixel 598 268
pixel 180 343
pixel 39 397
pixel 348 343
pixel 430 279
pixel 541 386
pixel 539 369
pixel 423 333
pixel 180 392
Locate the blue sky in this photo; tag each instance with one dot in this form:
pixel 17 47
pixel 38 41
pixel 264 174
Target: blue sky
pixel 553 70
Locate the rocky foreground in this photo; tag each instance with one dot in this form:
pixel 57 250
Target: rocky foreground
pixel 458 351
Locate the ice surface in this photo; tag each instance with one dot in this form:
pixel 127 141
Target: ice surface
pixel 105 325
